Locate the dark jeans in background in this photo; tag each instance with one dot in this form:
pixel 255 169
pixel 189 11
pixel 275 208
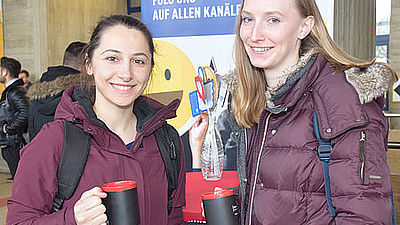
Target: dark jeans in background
pixel 10 154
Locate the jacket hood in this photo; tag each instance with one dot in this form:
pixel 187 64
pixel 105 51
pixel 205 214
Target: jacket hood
pixel 40 90
pixel 76 106
pixel 371 82
pixel 54 72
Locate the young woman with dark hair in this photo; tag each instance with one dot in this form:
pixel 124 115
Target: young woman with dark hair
pixel 123 146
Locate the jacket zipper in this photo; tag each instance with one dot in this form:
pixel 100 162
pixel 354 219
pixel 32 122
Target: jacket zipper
pixel 362 157
pixel 257 167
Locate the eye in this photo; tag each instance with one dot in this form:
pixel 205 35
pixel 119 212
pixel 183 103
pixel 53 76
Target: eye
pixel 247 19
pixel 273 20
pixel 139 61
pixel 112 58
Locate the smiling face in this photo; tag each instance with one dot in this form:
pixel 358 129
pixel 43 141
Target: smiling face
pixel 121 66
pixel 271 32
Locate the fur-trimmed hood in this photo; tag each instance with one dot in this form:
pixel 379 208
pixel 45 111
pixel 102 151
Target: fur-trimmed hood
pixel 370 82
pixel 40 90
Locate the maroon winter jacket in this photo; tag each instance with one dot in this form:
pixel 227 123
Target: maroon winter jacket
pixel 35 184
pixel 285 175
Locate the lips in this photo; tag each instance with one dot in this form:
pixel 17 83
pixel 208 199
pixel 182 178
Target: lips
pixel 122 87
pixel 261 49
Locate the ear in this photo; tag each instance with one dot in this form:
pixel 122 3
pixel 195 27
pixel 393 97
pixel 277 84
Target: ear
pixel 3 72
pixel 89 69
pixel 306 27
pixel 88 66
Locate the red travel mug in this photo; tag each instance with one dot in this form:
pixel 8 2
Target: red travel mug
pixel 122 205
pixel 221 207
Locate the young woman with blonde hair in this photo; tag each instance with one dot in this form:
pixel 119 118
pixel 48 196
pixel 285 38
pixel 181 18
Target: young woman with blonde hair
pixel 292 84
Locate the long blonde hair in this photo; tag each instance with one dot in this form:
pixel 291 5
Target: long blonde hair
pixel 249 100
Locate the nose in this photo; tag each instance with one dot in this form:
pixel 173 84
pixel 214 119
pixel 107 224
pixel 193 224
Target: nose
pixel 126 71
pixel 257 32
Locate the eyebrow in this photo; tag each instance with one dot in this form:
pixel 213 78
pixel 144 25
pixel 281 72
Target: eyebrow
pixel 265 13
pixel 119 52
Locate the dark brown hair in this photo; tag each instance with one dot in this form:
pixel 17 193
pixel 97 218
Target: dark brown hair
pixel 12 65
pixel 130 22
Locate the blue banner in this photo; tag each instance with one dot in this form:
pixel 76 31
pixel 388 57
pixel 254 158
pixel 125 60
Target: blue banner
pixel 174 18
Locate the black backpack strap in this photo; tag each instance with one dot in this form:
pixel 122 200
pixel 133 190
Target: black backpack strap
pixel 169 144
pixel 72 162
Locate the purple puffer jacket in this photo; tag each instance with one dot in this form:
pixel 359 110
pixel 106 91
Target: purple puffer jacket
pixel 35 184
pixel 285 176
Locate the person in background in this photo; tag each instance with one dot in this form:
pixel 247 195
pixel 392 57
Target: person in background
pixel 72 63
pixel 292 84
pixel 24 75
pixel 13 113
pixel 46 94
pixel 121 123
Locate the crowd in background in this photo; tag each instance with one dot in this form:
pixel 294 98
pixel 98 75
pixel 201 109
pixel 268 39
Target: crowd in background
pixel 20 104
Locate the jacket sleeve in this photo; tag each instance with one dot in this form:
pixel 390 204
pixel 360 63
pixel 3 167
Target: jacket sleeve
pixel 359 173
pixel 32 131
pixel 178 197
pixel 19 121
pixel 35 183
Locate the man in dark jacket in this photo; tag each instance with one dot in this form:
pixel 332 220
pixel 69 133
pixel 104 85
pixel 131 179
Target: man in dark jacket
pixel 13 113
pixel 46 94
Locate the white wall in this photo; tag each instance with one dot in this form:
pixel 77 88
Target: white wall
pixel 326 7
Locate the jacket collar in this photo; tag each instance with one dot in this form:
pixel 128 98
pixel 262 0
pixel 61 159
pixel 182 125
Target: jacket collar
pixel 11 82
pixel 288 78
pixel 149 112
pixel 17 83
pixel 294 80
pixel 370 82
pixel 54 72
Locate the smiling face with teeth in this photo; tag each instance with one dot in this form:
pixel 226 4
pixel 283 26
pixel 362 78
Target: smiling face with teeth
pixel 121 66
pixel 271 32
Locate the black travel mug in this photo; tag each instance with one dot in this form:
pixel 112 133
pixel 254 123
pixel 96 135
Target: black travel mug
pixel 122 205
pixel 221 207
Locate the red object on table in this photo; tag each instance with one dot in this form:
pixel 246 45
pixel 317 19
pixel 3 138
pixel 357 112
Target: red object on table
pixel 196 186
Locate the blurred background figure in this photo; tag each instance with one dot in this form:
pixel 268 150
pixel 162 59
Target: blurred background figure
pixel 24 75
pixel 71 63
pixel 46 94
pixel 13 113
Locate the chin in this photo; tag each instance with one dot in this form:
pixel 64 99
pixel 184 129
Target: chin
pixel 124 103
pixel 259 64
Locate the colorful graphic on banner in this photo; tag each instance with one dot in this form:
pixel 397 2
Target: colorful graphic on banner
pixel 188 34
pixel 172 78
pixel 174 18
